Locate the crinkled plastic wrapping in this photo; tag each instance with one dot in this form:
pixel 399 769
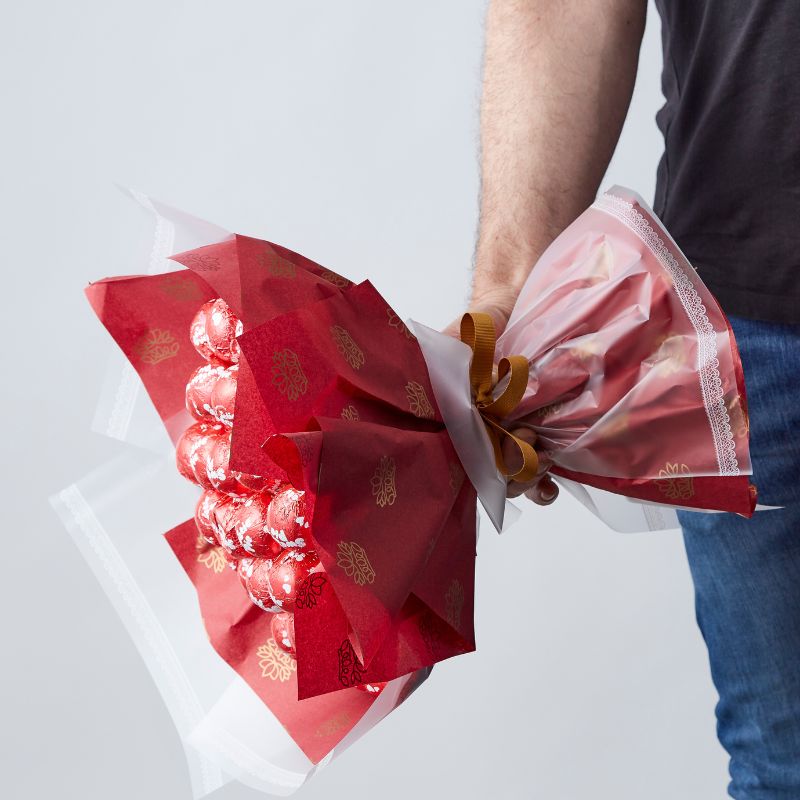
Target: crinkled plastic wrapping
pixel 227 730
pixel 626 347
pixel 590 331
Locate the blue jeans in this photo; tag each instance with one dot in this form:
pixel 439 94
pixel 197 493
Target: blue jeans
pixel 747 579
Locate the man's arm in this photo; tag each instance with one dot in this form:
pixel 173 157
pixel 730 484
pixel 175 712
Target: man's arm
pixel 557 82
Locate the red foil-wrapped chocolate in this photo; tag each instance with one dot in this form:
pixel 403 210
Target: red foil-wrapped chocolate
pixel 214 330
pixel 198 334
pixel 199 391
pixel 187 450
pixel 257 584
pixel 286 519
pixel 204 515
pixel 263 534
pixel 223 396
pixel 287 574
pixel 201 460
pixel 282 626
pixel 223 327
pixel 244 569
pixel 218 467
pixel 250 521
pixel 225 527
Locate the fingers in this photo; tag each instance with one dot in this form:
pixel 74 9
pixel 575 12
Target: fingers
pixel 542 489
pixel 544 492
pixel 454 329
pixel 497 301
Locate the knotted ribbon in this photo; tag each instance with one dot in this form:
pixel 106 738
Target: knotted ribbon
pixel 477 331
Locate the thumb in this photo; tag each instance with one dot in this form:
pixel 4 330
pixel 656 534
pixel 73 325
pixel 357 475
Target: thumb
pixel 499 314
pixel 453 329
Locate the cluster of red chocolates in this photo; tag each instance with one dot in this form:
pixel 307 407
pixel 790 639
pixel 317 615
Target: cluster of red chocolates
pixel 259 524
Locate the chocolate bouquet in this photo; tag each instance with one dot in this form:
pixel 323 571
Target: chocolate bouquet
pixel 338 455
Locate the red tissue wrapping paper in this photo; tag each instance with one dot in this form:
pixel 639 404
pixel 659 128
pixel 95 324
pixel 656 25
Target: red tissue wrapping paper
pixel 335 397
pixel 397 541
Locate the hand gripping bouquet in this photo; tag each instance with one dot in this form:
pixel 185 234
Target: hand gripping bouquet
pixel 337 458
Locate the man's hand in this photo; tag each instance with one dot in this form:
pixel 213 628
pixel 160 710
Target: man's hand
pixel 557 82
pixel 496 302
pixel 542 490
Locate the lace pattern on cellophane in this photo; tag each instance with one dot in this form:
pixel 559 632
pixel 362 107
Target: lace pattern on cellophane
pixel 707 361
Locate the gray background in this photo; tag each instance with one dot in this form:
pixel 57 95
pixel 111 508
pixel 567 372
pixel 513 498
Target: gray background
pixel 347 131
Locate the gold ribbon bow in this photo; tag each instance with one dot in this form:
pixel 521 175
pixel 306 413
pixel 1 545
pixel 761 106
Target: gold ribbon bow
pixel 477 330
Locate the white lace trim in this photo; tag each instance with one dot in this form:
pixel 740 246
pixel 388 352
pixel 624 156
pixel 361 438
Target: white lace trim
pixel 119 420
pixel 163 236
pixel 707 361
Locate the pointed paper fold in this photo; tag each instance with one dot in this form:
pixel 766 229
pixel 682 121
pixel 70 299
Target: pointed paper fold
pixel 385 453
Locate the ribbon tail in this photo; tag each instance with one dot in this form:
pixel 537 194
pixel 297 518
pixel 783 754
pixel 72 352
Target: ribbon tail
pixel 530 459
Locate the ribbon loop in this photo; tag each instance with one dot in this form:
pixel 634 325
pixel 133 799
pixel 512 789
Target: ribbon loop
pixel 477 331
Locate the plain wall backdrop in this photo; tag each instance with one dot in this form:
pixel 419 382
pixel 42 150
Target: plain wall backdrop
pixel 346 131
